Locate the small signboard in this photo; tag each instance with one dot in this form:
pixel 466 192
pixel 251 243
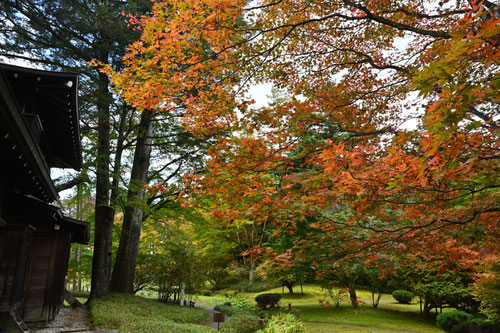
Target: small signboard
pixel 219 317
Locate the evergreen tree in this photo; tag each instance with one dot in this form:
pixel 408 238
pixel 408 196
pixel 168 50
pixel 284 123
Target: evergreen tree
pixel 65 35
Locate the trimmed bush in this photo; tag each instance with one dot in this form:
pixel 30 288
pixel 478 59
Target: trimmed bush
pixel 265 301
pixel 284 323
pixel 241 323
pixel 476 325
pixel 448 320
pixel 403 296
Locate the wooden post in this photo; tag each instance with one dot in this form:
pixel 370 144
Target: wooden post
pixel 219 317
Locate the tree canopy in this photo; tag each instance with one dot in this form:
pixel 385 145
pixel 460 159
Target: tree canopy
pixel 405 94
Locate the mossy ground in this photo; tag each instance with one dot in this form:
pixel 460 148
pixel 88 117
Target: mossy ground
pixel 128 313
pixel 390 315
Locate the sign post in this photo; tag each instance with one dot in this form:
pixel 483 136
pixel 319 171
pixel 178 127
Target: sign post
pixel 219 317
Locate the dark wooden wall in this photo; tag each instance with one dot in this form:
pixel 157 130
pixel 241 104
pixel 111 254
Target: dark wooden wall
pixel 14 255
pixel 48 264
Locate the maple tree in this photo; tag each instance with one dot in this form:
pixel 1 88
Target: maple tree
pixel 282 268
pixel 487 290
pixel 439 280
pixel 391 108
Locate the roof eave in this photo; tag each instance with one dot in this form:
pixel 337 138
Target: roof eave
pixel 31 153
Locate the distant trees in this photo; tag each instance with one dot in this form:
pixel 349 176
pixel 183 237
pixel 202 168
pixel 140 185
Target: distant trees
pixel 118 140
pixel 487 289
pixel 167 258
pixel 439 283
pixel 81 206
pixel 67 35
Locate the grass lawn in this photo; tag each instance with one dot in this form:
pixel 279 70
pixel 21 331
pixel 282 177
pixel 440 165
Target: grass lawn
pixel 128 313
pixel 389 316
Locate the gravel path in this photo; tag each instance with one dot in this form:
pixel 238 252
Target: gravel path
pixel 210 323
pixel 68 320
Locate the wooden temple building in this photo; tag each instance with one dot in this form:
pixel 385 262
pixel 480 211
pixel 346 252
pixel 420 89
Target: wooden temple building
pixel 39 129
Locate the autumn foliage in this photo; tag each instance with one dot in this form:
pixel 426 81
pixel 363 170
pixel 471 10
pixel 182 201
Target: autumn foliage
pixel 388 109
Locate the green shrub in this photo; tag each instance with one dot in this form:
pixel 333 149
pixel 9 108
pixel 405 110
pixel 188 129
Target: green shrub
pixel 448 320
pixel 260 286
pixel 238 302
pixel 263 314
pixel 284 323
pixel 267 300
pixel 272 312
pixel 403 296
pixel 230 310
pixel 487 290
pixel 227 309
pixel 241 323
pixel 476 325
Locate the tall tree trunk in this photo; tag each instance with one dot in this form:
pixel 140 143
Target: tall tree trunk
pixel 104 215
pixel 79 284
pixel 289 286
pixel 427 308
pixel 376 296
pixel 251 273
pixel 118 156
pixel 75 280
pixel 353 296
pixel 126 258
pixel 420 301
pixel 183 287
